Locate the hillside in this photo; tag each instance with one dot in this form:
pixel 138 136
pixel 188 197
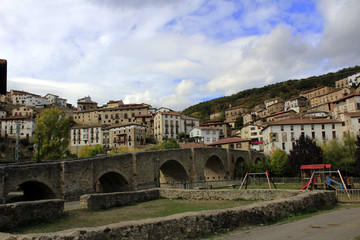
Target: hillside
pixel 254 96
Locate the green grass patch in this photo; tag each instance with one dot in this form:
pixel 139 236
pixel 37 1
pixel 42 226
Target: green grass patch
pixel 151 209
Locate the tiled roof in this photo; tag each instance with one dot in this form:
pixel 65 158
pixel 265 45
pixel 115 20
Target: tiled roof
pixel 124 125
pixel 205 128
pixel 297 121
pixel 282 112
pixel 169 113
pixel 16 118
pixel 229 140
pixel 352 114
pixel 112 109
pixel 348 96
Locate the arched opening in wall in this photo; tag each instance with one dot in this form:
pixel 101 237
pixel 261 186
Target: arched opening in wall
pixel 172 172
pixel 240 168
pixel 30 191
pixel 257 160
pixel 214 169
pixel 111 182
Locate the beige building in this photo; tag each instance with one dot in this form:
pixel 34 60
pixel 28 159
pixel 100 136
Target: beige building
pixel 349 103
pixel 56 100
pixel 233 113
pixel 254 134
pixel 120 115
pixel 272 101
pixel 19 97
pixel 130 135
pixel 281 115
pixel 81 136
pixel 167 125
pixel 298 104
pixel 351 122
pixel 114 104
pixel 146 120
pixel 86 103
pixel 316 92
pixel 274 108
pixel 22 111
pixel 329 97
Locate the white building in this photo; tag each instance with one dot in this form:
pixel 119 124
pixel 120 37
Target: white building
pixel 2 114
pixel 24 123
pixel 205 135
pixel 19 97
pixel 167 125
pixel 85 135
pixel 36 101
pixel 283 134
pixel 349 103
pixel 188 122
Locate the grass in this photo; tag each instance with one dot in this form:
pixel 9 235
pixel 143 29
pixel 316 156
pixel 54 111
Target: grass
pixel 136 211
pixel 289 186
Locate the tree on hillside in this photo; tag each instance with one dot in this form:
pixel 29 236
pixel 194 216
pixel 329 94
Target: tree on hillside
pixel 52 135
pixel 305 151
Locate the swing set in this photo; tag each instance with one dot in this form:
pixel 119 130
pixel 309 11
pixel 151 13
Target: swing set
pixel 248 175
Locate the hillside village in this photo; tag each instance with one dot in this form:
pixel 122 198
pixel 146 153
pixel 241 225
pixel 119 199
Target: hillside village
pixel 322 113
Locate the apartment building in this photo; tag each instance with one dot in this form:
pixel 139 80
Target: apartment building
pixel 2 114
pixel 119 115
pixel 131 135
pixel 315 92
pixel 167 125
pixel 114 104
pixel 329 97
pixel 283 134
pixel 81 136
pixel 254 134
pixel 56 100
pixel 349 103
pixel 224 127
pixel 232 143
pixel 146 120
pixel 36 101
pixel 298 104
pixel 232 113
pixel 189 122
pixel 348 81
pixel 86 103
pixel 24 124
pixel 19 97
pixel 326 107
pixel 249 118
pixel 351 122
pixel 205 135
pixel 272 101
pixel 22 111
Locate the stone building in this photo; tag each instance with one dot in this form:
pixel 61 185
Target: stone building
pixel 55 100
pixel 233 113
pixel 272 101
pixel 86 103
pixel 232 143
pixel 22 111
pixel 298 104
pixel 274 108
pixel 283 134
pixel 282 115
pixel 316 92
pixel 224 128
pixel 114 104
pixel 329 97
pixel 254 134
pixel 351 122
pixel 349 103
pixel 25 124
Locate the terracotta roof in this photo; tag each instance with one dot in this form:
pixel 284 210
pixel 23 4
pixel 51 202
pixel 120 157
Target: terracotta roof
pixel 348 96
pixel 169 113
pixel 202 127
pixel 125 125
pixel 282 112
pixel 297 121
pixel 229 140
pixel 116 108
pixel 352 114
pixel 193 145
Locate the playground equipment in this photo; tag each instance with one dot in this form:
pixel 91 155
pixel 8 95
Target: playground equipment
pixel 247 175
pixel 323 178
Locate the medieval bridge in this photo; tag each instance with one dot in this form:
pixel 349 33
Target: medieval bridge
pixel 113 173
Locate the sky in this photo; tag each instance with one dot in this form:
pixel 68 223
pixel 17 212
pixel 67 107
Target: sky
pixel 172 53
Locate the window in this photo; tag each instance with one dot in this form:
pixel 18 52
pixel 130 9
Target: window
pixel 313 135
pixel 292 128
pixel 312 126
pixel 283 146
pixel 323 135
pixel 282 128
pixel 334 135
pixel 292 136
pixel 333 126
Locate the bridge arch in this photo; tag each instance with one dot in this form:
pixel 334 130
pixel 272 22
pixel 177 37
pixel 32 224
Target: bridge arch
pixel 30 191
pixel 240 168
pixel 111 182
pixel 173 171
pixel 214 169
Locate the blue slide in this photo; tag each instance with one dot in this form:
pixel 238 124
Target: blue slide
pixel 329 181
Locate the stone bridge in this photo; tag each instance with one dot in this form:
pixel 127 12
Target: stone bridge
pixel 123 172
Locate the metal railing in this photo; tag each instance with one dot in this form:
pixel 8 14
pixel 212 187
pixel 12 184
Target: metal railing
pixel 350 195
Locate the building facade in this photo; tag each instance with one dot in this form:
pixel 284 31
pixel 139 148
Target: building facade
pixel 316 92
pixel 130 135
pixel 11 125
pixel 329 97
pixel 232 113
pixel 81 136
pixel 205 135
pixel 167 125
pixel 349 103
pixel 283 134
pixel 298 104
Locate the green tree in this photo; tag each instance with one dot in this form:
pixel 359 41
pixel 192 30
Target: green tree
pixel 239 122
pixel 305 151
pixel 357 155
pixel 170 143
pixel 278 163
pixel 341 155
pixel 97 149
pixel 52 134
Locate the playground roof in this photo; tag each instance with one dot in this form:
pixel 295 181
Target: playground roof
pixel 315 166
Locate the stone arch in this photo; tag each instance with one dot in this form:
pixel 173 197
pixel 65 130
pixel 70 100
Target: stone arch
pixel 214 169
pixel 111 182
pixel 257 160
pixel 31 191
pixel 240 168
pixel 172 171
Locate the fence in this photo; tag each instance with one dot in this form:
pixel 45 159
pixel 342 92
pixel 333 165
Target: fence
pixel 343 195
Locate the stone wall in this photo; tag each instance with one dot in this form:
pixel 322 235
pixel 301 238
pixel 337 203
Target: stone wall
pixel 15 214
pixel 196 224
pixel 110 200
